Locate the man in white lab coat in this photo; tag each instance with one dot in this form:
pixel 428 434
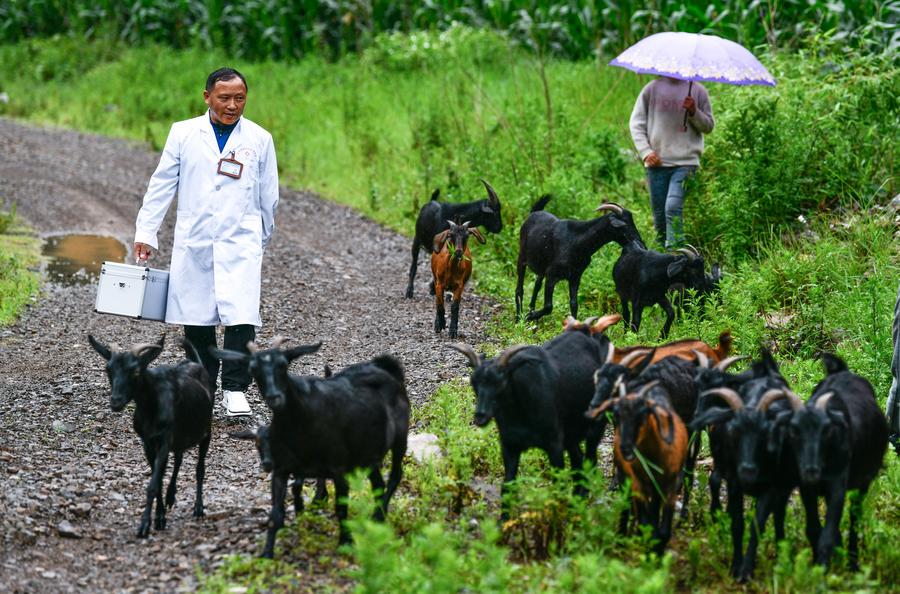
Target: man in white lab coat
pixel 222 168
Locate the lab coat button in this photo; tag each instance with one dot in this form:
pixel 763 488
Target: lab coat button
pixel 217 188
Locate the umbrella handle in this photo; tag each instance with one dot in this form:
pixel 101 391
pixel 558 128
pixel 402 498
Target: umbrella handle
pixel 690 86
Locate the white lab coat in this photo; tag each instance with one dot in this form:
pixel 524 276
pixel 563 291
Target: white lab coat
pixel 222 226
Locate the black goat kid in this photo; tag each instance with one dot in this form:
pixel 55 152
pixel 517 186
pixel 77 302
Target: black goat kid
pixel 173 412
pixel 839 439
pixel 561 249
pixel 328 427
pixel 433 219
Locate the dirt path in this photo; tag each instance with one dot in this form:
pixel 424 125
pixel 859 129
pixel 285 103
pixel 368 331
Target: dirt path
pixel 329 275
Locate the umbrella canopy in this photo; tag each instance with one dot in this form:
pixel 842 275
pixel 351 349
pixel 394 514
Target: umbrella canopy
pixel 695 57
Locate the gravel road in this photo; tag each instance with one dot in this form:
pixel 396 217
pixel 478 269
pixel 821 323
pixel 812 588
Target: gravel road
pixel 72 475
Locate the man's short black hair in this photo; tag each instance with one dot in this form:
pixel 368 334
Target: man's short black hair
pixel 223 74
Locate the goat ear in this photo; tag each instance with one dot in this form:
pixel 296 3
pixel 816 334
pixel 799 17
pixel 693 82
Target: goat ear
pixel 837 417
pixel 474 231
pixel 436 194
pixel 617 222
pixel 776 431
pixel 100 348
pixel 439 240
pixel 149 354
pixel 675 268
pixel 304 349
pixel 224 355
pixel 486 208
pixel 245 434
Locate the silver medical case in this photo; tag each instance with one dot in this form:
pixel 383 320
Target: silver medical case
pixel 133 291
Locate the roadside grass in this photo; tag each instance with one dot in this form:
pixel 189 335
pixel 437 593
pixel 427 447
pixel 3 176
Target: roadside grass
pixel 19 255
pixel 793 200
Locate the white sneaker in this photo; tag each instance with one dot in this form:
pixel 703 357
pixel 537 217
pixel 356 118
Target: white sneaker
pixel 235 404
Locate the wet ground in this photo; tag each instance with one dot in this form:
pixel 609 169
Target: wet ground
pixel 72 475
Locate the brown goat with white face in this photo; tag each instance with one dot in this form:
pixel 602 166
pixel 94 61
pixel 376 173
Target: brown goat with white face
pixel 451 265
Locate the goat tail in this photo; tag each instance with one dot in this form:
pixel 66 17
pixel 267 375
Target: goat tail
pixel 833 364
pixel 541 203
pixel 190 351
pixel 724 347
pixel 392 365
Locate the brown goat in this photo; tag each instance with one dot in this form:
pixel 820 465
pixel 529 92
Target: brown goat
pixel 684 349
pixel 451 265
pixel 651 451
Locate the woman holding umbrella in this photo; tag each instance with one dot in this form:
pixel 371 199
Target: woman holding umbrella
pixel 670 147
pixel 673 112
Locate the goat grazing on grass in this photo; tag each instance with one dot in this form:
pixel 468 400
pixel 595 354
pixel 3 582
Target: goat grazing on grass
pixel 451 265
pixel 537 395
pixel 839 439
pixel 644 277
pixel 433 218
pixel 328 427
pixel 173 412
pixel 561 249
pixel 651 445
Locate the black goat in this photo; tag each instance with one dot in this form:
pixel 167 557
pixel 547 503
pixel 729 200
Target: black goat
pixel 538 395
pixel 561 249
pixel 433 218
pixel 173 412
pixel 328 427
pixel 707 377
pixel 839 439
pixel 644 277
pixel 675 376
pixel 758 466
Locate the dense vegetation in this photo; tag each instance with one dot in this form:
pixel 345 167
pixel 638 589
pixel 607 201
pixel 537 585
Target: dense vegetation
pixel 574 28
pixel 794 199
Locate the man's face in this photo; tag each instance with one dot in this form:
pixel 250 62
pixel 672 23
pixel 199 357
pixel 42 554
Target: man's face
pixel 226 101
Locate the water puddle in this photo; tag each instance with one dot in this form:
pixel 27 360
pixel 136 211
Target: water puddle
pixel 76 259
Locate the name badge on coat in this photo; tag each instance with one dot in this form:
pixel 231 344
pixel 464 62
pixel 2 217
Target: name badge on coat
pixel 230 167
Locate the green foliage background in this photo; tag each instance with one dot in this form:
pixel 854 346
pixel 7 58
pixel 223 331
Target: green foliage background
pixel 794 199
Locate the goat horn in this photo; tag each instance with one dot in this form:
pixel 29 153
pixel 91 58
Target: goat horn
pixel 822 402
pixel 492 195
pixel 590 321
pixel 690 255
pixel 620 386
pixel 702 359
pixel 140 348
pixel 632 356
pixel 647 388
pixel 597 376
pixel 730 397
pixel 569 321
pixel 611 350
pixel 278 341
pixel 604 323
pixel 506 355
pixel 726 363
pixel 466 224
pixel 611 206
pixel 468 351
pixel 774 394
pixel 114 347
pixel 252 346
pixel 692 248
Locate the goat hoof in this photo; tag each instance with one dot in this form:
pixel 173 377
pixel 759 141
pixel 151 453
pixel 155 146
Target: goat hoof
pixel 170 501
pixel 267 555
pixel 409 293
pixel 143 530
pixel 198 512
pixel 159 524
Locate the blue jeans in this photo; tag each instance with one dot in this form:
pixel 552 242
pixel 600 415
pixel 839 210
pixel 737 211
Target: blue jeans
pixel 667 201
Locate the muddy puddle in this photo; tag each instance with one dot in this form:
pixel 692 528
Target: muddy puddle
pixel 76 259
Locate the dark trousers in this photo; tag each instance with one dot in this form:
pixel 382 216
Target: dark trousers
pixel 235 375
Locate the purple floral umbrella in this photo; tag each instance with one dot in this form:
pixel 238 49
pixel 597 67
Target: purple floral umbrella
pixel 694 57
